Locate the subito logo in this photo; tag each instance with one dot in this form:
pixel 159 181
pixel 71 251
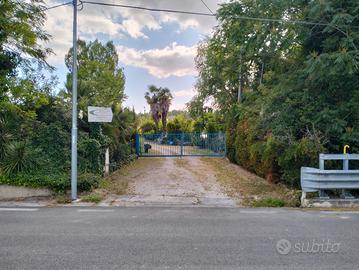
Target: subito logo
pixel 283 246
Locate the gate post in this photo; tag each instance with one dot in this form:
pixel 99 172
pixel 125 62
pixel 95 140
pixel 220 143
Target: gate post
pixel 137 144
pixel 107 161
pixel 225 143
pixel 182 138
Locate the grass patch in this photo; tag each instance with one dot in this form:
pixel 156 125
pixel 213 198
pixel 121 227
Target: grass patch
pixel 269 202
pixel 62 199
pixel 92 198
pixel 253 190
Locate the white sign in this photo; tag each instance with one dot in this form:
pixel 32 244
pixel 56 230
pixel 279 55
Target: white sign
pixel 99 114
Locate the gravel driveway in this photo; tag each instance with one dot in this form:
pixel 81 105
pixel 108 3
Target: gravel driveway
pixel 172 181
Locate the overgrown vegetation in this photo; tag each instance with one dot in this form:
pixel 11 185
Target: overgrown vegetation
pixel 253 191
pixel 297 83
pixel 92 198
pixel 269 202
pixel 181 121
pixel 35 117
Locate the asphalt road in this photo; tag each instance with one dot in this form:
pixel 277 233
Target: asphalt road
pixel 177 238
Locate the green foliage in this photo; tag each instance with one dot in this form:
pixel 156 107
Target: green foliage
pixel 269 202
pixel 93 198
pixel 100 80
pixel 21 34
pixel 17 159
pixel 57 182
pixel 179 124
pixel 300 81
pixel 89 152
pixel 148 126
pixel 5 136
pixel 88 181
pixel 159 99
pixel 35 131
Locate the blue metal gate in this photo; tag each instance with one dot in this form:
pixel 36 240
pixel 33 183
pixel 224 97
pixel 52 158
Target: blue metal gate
pixel 182 144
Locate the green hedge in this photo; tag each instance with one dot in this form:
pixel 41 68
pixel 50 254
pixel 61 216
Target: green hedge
pixel 58 183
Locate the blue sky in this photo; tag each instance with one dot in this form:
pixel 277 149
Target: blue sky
pixel 154 48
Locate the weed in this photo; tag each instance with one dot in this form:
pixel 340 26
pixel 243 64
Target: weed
pixel 269 202
pixel 93 198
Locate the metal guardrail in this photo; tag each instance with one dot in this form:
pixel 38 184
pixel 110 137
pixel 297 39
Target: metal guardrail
pixel 313 179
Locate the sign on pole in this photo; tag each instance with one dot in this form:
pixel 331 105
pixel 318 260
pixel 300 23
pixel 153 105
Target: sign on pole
pixel 99 114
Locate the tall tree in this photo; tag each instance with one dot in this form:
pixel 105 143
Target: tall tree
pixel 152 100
pixel 159 99
pixel 100 79
pixel 21 36
pixel 165 98
pixel 300 81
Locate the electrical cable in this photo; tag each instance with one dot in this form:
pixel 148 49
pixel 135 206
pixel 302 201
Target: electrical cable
pixel 56 6
pixel 149 9
pixel 204 3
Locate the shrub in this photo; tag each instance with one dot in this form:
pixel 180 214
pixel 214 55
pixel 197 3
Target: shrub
pixel 90 155
pixel 54 142
pixel 17 158
pixel 94 198
pixel 58 183
pixel 269 202
pixel 148 127
pixel 304 152
pixel 88 181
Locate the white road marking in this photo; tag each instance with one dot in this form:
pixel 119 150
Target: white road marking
pixel 19 209
pixel 95 210
pixel 258 211
pixel 340 213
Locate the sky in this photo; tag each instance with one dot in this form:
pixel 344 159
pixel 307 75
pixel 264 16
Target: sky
pixel 153 47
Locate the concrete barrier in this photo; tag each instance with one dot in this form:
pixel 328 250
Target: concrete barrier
pixel 15 192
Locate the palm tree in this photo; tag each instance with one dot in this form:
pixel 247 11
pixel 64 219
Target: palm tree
pixel 165 98
pixel 152 100
pixel 159 100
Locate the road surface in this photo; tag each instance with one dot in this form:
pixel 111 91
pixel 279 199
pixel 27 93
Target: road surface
pixel 177 238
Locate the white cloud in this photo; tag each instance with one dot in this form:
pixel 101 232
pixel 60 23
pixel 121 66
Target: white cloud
pixel 176 60
pixel 184 93
pixel 119 22
pixel 178 106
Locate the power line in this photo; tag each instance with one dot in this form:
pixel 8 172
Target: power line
pixel 204 3
pixel 248 18
pixel 214 15
pixel 56 6
pixel 149 9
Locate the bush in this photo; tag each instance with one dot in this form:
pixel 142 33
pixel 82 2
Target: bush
pixel 17 158
pixel 57 182
pixel 90 153
pixel 94 198
pixel 88 181
pixel 148 127
pixel 54 142
pixel 269 202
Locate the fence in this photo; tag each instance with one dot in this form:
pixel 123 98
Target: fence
pixel 181 144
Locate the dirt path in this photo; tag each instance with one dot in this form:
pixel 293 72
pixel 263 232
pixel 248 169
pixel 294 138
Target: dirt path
pixel 176 181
